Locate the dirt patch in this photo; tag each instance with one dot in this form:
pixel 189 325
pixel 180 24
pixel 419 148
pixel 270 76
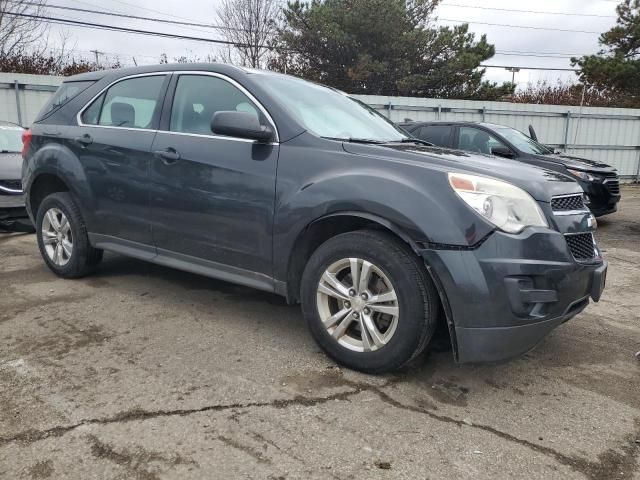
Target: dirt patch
pixel 140 463
pixel 42 470
pixel 61 341
pixel 252 452
pixel 317 381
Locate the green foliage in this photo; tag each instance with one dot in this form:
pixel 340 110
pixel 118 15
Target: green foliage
pixel 383 47
pixel 616 69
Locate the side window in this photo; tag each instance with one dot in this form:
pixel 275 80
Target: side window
pixel 439 135
pixel 130 103
pixel 92 114
pixel 198 97
pixel 476 140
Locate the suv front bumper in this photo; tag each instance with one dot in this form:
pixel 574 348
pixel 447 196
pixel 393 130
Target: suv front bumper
pixel 603 196
pixel 504 297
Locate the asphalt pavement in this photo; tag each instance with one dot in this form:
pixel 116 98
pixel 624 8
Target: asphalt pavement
pixel 142 372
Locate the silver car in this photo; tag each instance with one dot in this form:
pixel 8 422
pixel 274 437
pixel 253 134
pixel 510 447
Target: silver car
pixel 13 215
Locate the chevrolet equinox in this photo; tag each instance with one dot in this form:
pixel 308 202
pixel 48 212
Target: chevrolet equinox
pixel 291 187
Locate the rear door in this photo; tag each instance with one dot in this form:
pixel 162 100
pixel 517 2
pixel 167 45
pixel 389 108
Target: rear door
pixel 439 135
pixel 113 142
pixel 212 196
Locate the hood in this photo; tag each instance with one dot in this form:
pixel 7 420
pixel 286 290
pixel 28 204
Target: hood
pixel 571 161
pixel 540 183
pixel 10 166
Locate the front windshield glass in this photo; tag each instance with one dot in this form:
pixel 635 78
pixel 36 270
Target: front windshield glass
pixel 522 142
pixel 331 114
pixel 10 139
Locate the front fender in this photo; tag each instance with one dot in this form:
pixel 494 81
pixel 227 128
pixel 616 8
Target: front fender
pixel 416 201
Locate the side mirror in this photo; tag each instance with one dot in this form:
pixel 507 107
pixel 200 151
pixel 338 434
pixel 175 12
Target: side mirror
pixel 240 124
pixel 532 133
pixel 502 151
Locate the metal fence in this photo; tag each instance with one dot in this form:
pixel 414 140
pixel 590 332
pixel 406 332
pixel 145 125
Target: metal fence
pixel 610 135
pixel 22 96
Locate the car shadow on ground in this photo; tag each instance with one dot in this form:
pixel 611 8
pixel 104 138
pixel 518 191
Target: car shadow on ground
pixel 440 352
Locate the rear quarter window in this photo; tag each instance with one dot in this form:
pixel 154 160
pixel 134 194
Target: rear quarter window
pixel 65 93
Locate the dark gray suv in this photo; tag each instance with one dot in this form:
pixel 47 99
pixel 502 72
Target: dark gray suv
pixel 290 187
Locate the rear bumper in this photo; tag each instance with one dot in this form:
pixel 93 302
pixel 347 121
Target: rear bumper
pixel 12 207
pixel 8 202
pixel 508 294
pixel 13 214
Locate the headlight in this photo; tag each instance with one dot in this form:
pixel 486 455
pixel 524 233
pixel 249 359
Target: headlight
pixel 508 207
pixel 582 175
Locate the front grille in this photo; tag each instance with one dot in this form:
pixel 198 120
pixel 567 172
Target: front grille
pixel 613 185
pixel 11 184
pixel 582 246
pixel 563 204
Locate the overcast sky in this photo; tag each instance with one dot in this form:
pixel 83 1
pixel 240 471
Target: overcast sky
pixel 512 43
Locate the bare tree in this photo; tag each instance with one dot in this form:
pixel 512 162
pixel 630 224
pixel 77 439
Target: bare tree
pixel 250 25
pixel 21 29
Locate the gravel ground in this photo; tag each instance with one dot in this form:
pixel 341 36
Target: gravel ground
pixel 141 372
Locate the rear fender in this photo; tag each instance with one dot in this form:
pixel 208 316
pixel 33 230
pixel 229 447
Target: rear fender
pixel 57 159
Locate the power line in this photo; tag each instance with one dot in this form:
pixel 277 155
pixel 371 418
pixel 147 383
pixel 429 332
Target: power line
pixel 532 68
pixel 527 11
pixel 83 24
pixel 539 55
pixel 102 26
pixel 155 11
pixel 132 17
pixel 519 26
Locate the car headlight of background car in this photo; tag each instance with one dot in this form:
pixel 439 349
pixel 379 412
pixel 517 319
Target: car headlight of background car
pixel 508 207
pixel 587 177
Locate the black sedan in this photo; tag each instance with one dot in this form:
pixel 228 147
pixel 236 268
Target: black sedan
pixel 13 214
pixel 599 180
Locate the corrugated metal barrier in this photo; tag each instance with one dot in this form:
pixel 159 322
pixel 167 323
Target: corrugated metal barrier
pixel 610 135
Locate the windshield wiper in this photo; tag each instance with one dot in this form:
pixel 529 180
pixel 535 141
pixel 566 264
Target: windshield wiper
pixel 417 140
pixel 357 140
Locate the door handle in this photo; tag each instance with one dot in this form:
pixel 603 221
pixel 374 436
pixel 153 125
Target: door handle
pixel 85 140
pixel 168 156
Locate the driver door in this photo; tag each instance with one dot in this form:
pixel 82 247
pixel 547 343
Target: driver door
pixel 476 140
pixel 212 197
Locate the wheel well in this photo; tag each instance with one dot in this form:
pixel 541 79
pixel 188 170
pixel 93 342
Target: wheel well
pixel 44 185
pixel 315 235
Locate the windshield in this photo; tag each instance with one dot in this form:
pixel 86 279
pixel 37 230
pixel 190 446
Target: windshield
pixel 332 114
pixel 10 139
pixel 522 142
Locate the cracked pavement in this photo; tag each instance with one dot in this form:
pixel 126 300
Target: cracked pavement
pixel 142 372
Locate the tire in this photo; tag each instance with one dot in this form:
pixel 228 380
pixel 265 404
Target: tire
pixel 405 318
pixel 81 259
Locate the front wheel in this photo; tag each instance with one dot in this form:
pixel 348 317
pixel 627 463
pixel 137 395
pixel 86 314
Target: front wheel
pixel 368 301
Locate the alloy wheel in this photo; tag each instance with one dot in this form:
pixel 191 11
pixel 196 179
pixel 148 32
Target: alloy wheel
pixel 357 304
pixel 57 237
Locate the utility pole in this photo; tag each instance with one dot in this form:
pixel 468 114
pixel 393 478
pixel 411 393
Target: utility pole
pixel 513 71
pixel 96 53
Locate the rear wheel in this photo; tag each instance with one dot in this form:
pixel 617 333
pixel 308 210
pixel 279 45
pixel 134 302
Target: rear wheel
pixel 368 301
pixel 62 237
